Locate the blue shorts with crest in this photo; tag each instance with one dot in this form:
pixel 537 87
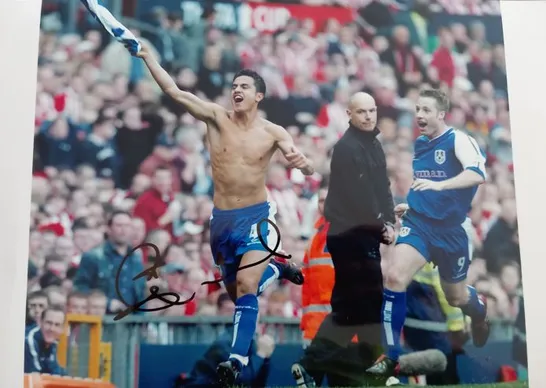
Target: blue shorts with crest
pixel 449 247
pixel 235 232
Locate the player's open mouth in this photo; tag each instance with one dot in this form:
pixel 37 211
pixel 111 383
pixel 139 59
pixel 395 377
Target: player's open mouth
pixel 238 98
pixel 421 124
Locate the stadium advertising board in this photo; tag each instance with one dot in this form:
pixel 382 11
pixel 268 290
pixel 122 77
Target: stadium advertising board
pixel 263 17
pixel 269 17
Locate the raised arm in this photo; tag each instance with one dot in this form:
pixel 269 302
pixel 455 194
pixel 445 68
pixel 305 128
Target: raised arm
pixel 201 110
pixel 286 144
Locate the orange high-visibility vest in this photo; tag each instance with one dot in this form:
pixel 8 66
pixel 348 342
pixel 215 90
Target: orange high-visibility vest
pixel 316 292
pixel 318 270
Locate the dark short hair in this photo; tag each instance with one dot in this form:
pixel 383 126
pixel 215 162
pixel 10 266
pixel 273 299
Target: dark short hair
pixel 80 223
pixel 37 294
pixel 259 82
pixel 58 309
pixel 442 100
pixel 116 213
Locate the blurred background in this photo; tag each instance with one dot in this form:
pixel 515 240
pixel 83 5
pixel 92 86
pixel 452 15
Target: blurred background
pixel 103 129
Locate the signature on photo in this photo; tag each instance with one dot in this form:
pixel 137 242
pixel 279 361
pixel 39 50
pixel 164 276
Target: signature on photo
pixel 172 298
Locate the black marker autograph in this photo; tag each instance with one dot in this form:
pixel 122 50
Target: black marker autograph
pixel 152 273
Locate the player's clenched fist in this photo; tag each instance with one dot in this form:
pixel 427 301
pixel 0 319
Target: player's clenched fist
pixel 296 159
pixel 400 209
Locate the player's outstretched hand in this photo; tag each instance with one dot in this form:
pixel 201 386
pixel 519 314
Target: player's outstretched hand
pixel 425 184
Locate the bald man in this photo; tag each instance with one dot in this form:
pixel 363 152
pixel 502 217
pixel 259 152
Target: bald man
pixel 360 210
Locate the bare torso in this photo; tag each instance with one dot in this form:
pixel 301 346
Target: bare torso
pixel 239 160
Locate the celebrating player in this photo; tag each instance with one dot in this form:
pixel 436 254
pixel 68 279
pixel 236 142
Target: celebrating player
pixel 448 167
pixel 241 146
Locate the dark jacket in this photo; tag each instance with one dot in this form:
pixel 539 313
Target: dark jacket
pixel 359 194
pixel 101 155
pixel 98 269
pixel 38 357
pixel 203 374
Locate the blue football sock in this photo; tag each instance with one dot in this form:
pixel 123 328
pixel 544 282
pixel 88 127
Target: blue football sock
pixel 394 314
pixel 474 308
pixel 244 326
pixel 271 273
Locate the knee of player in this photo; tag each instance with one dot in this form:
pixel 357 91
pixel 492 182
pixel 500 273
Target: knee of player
pixel 396 279
pixel 246 285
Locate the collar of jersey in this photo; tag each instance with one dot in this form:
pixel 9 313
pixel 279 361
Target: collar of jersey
pixel 364 134
pixel 441 136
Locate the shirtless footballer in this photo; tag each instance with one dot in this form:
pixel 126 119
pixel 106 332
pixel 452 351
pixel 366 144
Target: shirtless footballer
pixel 241 146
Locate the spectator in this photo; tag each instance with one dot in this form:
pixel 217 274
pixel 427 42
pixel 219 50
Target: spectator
pixel 483 68
pixel 98 150
pixel 442 58
pixel 41 343
pixel 96 303
pixel 77 303
pixel 37 303
pixel 211 77
pixel 406 65
pixel 59 147
pixel 82 239
pixel 56 296
pixel 157 206
pixel 161 239
pixel 501 243
pixel 98 267
pixel 176 279
pixel 225 306
pixel 138 231
pixel 135 140
pixel 185 53
pixel 55 270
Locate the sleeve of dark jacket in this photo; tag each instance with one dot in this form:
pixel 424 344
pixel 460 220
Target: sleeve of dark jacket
pixel 383 192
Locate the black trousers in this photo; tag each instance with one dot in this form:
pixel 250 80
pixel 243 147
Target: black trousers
pixel 356 310
pixel 450 376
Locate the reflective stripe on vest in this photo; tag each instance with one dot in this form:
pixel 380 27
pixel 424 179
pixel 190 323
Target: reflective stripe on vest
pixel 317 308
pixel 439 327
pixel 319 261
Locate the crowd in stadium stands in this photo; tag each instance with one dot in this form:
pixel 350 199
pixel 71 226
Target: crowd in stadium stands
pixel 107 140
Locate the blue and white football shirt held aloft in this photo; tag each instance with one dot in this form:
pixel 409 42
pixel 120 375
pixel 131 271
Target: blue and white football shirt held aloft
pixel 441 158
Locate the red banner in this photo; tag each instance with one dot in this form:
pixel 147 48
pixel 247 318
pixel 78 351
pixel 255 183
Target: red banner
pixel 271 17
